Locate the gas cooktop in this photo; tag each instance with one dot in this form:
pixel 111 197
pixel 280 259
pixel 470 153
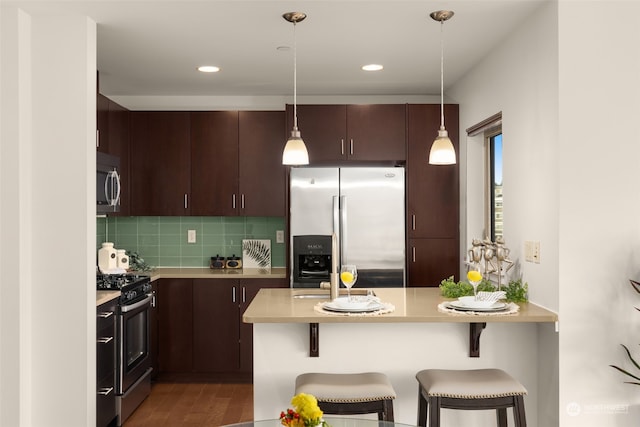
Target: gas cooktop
pixel 133 287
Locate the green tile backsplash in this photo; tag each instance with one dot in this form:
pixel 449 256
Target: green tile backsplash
pixel 162 240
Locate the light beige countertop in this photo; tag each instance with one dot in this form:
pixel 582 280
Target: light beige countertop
pixel 105 296
pixel 209 273
pixel 411 305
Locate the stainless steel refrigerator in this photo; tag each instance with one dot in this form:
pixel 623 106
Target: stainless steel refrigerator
pixel 364 207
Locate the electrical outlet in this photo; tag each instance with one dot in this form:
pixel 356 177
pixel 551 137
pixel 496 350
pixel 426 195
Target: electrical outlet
pixel 191 236
pixel 279 236
pixel 528 251
pixel 535 254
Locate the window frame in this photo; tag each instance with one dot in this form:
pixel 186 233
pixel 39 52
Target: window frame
pixel 489 178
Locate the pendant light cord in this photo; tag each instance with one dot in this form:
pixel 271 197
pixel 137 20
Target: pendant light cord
pixel 295 79
pixel 441 75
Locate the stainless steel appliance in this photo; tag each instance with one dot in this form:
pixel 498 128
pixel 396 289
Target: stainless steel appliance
pixel 364 207
pixel 311 260
pixel 107 183
pixel 133 362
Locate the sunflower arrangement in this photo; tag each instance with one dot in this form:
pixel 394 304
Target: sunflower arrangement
pixel 306 412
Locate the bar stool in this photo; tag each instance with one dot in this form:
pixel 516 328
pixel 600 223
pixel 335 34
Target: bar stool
pixel 350 394
pixel 469 389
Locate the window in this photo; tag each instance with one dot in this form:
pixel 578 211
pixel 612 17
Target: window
pixel 491 128
pixel 494 213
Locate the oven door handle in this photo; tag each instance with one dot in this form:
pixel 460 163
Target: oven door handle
pixel 128 308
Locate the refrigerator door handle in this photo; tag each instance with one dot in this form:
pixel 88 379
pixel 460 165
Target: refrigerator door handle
pixel 343 229
pixel 336 217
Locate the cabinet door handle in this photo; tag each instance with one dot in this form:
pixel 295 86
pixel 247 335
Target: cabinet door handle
pixel 342 146
pixel 233 294
pixel 413 222
pixel 244 294
pixel 242 201
pixel 233 201
pixel 105 314
pixel 97 138
pixel 351 146
pixel 104 340
pixel 186 201
pixel 413 253
pixel 104 391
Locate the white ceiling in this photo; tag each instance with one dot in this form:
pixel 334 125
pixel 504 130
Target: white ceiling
pixel 153 47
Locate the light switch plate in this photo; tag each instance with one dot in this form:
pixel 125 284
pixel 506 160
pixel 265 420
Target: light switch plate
pixel 191 236
pixel 279 236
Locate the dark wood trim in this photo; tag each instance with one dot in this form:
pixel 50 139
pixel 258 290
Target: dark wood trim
pixel 487 123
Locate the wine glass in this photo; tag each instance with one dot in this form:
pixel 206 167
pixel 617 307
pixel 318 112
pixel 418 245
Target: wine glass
pixel 475 277
pixel 348 275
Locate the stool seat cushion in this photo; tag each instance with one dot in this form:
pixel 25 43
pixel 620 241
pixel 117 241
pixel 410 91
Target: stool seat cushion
pixel 469 384
pixel 359 387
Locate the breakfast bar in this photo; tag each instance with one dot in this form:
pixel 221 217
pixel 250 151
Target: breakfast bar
pixel 293 335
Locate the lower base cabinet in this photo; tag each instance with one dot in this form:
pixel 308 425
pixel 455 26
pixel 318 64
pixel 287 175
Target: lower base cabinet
pixel 200 328
pixel 106 364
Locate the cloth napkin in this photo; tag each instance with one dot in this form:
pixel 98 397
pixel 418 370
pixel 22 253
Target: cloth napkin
pixel 491 296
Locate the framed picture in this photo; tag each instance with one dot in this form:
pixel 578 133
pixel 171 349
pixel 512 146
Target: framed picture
pixel 256 253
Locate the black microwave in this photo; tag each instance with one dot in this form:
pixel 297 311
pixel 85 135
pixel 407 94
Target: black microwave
pixel 107 183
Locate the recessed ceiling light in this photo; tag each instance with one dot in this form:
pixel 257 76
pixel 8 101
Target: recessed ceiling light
pixel 209 69
pixel 372 67
pixel 283 48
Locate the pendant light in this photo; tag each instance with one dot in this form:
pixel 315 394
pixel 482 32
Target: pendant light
pixel 442 150
pixel 295 152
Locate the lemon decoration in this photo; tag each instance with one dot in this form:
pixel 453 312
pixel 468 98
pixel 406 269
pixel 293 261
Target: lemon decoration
pixel 346 276
pixel 474 276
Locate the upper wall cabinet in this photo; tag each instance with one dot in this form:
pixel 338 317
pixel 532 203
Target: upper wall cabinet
pixel 160 163
pixel 335 133
pixel 102 122
pixel 218 163
pixel 214 163
pixel 262 180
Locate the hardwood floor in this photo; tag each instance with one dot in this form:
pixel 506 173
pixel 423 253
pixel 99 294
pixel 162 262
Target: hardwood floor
pixel 194 404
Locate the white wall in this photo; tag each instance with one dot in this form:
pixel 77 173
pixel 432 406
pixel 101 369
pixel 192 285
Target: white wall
pixel 520 79
pixel 47 285
pixel 567 84
pixel 599 204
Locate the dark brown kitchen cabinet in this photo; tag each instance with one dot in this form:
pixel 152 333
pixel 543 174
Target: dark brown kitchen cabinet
pixel 222 343
pixel 200 328
pixel 106 364
pixel 216 335
pixel 175 326
pixel 236 163
pixel 432 260
pixel 335 133
pixel 102 122
pixel 214 163
pixel 160 163
pixel 433 204
pixel 118 145
pixel 262 179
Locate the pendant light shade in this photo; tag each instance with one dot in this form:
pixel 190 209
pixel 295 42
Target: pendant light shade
pixel 295 152
pixel 442 150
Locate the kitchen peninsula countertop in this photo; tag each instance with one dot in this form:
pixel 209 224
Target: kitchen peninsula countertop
pixel 418 305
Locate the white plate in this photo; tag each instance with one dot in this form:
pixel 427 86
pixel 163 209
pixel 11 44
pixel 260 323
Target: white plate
pixel 457 305
pixel 372 306
pixel 353 302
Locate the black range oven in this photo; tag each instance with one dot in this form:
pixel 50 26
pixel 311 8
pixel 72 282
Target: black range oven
pixel 133 361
